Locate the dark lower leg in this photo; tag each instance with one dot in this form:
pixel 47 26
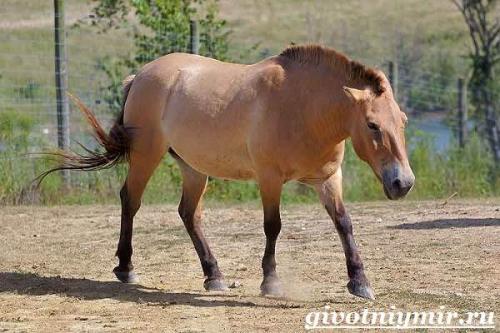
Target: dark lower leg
pixel 270 189
pixel 355 269
pixel 192 221
pixel 124 251
pixel 358 283
pixel 193 187
pixel 142 164
pixel 272 228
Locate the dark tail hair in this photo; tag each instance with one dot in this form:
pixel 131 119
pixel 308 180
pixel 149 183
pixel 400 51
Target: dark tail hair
pixel 116 144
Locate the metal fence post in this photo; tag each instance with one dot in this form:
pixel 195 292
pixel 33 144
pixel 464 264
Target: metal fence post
pixel 393 78
pixel 462 112
pixel 61 82
pixel 194 42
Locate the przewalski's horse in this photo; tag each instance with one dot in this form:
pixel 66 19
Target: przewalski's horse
pixel 284 118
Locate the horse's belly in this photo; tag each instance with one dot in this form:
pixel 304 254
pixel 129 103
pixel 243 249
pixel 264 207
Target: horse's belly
pixel 221 163
pixel 209 146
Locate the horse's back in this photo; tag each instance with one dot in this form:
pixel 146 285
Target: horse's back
pixel 206 109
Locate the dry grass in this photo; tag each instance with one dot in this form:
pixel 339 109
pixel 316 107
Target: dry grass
pixel 55 266
pixel 373 31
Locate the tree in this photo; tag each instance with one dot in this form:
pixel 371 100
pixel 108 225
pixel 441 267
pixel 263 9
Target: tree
pixel 483 20
pixel 159 27
pixel 167 25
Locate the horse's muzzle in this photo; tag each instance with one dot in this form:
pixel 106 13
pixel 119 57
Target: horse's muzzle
pixel 396 181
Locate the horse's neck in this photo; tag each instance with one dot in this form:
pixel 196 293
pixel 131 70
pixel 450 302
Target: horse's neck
pixel 329 117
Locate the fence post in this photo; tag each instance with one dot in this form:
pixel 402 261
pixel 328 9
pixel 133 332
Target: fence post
pixel 393 78
pixel 194 42
pixel 462 112
pixel 61 82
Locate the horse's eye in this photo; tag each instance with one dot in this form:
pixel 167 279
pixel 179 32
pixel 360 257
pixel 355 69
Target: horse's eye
pixel 373 127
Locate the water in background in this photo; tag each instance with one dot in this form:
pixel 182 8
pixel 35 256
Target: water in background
pixel 434 124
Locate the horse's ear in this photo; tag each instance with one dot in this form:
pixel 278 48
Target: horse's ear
pixel 356 95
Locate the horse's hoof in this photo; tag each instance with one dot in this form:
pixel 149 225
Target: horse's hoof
pixel 360 289
pixel 215 285
pixel 126 276
pixel 272 288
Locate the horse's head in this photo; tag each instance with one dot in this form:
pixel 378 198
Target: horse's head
pixel 377 134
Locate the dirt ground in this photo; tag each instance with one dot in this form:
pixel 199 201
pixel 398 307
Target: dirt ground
pixel 56 262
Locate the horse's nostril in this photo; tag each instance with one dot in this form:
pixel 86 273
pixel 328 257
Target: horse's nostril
pixel 396 185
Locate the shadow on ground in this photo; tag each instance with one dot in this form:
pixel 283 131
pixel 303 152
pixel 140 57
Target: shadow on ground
pixel 34 284
pixel 448 223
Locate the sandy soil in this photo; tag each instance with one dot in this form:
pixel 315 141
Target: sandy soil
pixel 55 266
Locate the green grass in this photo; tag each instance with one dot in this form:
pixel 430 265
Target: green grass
pixel 429 35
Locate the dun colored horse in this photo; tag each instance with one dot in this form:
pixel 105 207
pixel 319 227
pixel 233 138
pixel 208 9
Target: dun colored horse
pixel 284 118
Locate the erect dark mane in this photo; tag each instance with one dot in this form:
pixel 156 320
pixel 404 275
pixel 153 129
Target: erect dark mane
pixel 318 55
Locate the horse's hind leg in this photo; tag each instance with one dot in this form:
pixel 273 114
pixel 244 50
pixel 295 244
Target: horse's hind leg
pixel 142 166
pixel 193 187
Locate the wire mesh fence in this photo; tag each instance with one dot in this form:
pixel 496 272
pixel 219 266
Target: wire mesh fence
pixel 28 103
pixel 28 99
pixel 27 76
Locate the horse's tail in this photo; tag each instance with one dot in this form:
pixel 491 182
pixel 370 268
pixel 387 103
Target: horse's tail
pixel 116 144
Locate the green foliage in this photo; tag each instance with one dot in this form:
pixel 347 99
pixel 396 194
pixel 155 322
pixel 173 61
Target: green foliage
pixel 15 166
pixel 110 13
pixel 469 171
pixel 165 185
pixel 30 91
pixel 168 25
pixel 428 73
pixel 434 89
pixel 484 58
pixel 15 129
pixel 359 182
pixel 115 70
pixel 214 34
pixel 428 167
pixel 232 191
pixel 163 27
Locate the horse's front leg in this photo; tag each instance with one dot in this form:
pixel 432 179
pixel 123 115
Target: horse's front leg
pixel 330 193
pixel 270 191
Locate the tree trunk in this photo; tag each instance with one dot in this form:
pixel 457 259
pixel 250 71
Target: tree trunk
pixel 492 131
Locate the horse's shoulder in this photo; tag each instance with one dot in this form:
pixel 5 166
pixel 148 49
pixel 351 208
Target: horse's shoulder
pixel 269 74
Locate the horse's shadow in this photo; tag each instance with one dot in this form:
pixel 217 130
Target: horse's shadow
pixel 449 223
pixel 34 284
